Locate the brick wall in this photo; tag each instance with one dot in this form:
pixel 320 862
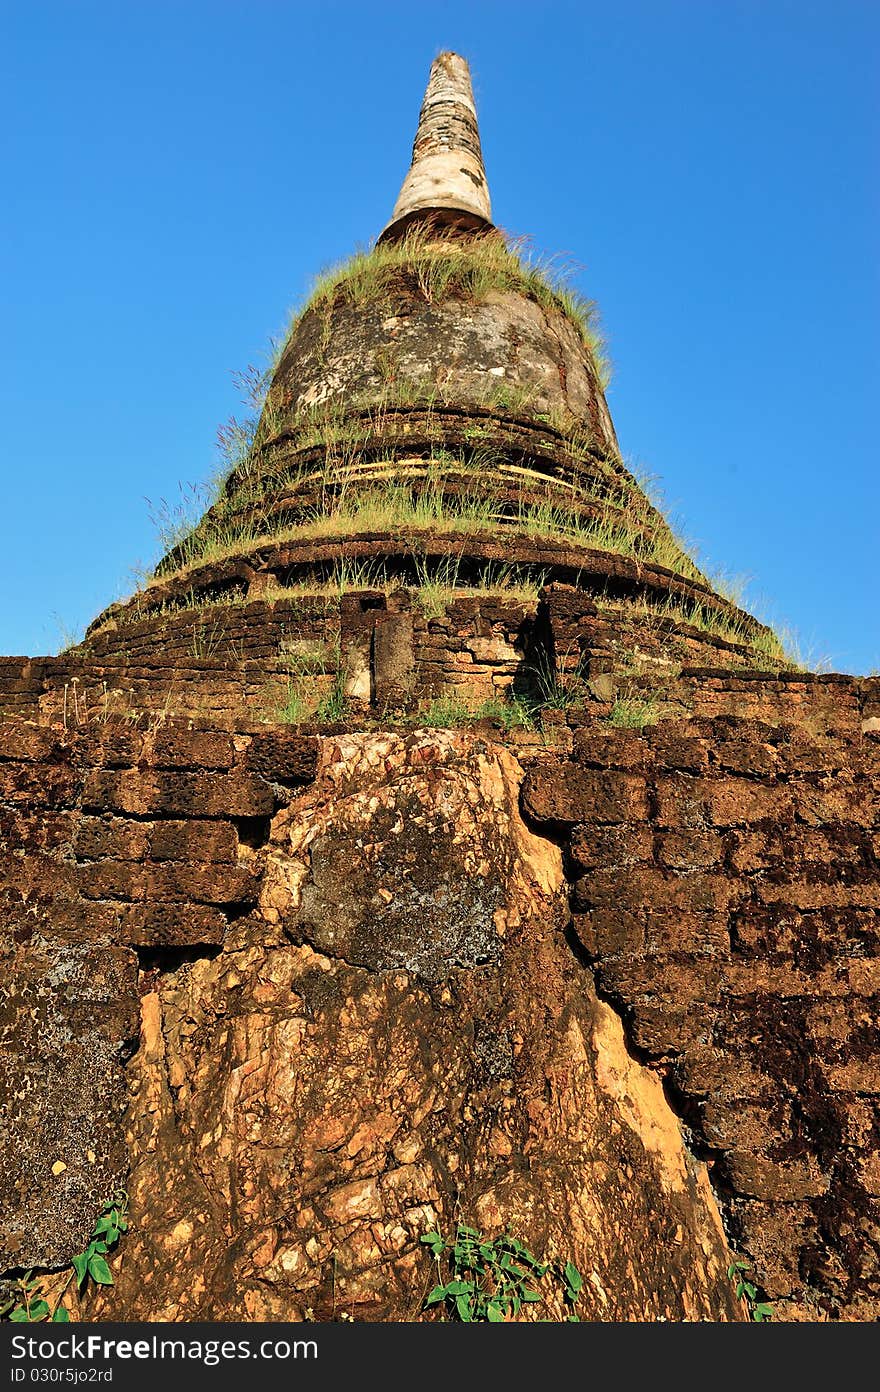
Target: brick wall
pixel 112 848
pixel 725 889
pixel 237 662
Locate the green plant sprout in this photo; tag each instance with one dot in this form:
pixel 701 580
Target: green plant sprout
pixel 745 1290
pixel 491 1279
pixel 39 1297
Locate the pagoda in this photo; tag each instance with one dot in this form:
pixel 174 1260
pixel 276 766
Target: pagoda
pixel 433 503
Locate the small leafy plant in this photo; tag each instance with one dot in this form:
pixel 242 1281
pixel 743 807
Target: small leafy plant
pixel 111 1224
pixel 746 1290
pixel 32 1306
pixel 491 1279
pixel 39 1297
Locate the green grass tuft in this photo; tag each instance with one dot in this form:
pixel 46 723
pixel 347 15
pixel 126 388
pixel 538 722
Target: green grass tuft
pixel 443 268
pixel 394 505
pixel 448 712
pixel 628 713
pixel 515 713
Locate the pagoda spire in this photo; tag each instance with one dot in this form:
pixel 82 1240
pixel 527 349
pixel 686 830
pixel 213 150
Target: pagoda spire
pixel 446 183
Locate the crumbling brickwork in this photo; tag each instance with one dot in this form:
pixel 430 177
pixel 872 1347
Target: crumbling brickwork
pixel 724 895
pixel 725 889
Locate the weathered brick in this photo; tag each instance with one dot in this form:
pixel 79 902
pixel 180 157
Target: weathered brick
pixel 756 979
pixel 59 915
pixel 575 794
pixel 193 749
pixel 774 1235
pixel 674 750
pixel 234 794
pixel 36 785
pixel 864 977
pixel 649 888
pixel 795 846
pixel 747 757
pixel 739 802
pixel 120 748
pixel 799 754
pixel 688 850
pixel 801 894
pixel 210 884
pixel 746 1125
pixel 42 831
pixel 608 846
pixel 114 837
pixel 607 933
pixel 110 879
pixel 756 1176
pixel 668 1028
pixel 283 756
pixel 726 1076
pixel 858 1075
pixel 812 939
pixel 170 925
pixel 20 741
pixel 193 840
pixel 701 934
pixel 599 747
pixel 684 801
pixel 838 800
pixel 830 1020
pixel 169 880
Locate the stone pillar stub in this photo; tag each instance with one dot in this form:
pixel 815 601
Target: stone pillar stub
pixel 393 658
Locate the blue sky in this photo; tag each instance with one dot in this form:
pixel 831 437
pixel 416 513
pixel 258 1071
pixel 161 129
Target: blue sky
pixel 174 175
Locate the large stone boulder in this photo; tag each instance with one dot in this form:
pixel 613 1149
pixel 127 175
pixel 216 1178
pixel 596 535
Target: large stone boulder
pixel 399 1037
